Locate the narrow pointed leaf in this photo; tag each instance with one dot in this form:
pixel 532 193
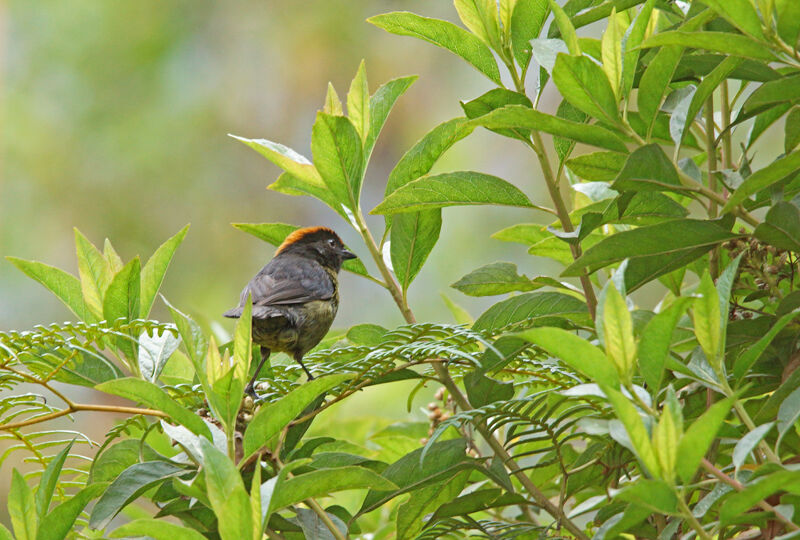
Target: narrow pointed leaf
pixel 156 267
pixel 698 438
pixel 380 104
pixel 65 286
pixel 358 102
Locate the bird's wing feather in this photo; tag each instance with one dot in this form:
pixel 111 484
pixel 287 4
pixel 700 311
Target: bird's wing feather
pixel 290 283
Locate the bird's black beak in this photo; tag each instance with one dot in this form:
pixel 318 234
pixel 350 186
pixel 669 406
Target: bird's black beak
pixel 346 255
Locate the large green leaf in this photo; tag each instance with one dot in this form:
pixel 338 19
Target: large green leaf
pixel 576 352
pixel 781 227
pixel 637 432
pixel 358 109
pixel 521 117
pixel 723 42
pixel 412 238
pixel 740 13
pixel 654 83
pixel 584 84
pixel 338 156
pixel 737 504
pixel 380 104
pixel 325 481
pixel 481 17
pixel 670 237
pixel 153 396
pixel 749 357
pixel 493 279
pixel 442 34
pixel 65 286
pixel 287 159
pixel 58 523
pixel 656 342
pixel 763 178
pixel 289 184
pixel 497 99
pixel 597 166
pixel 227 495
pixel 463 188
pixel 533 309
pixel 630 47
pixel 49 479
pixel 695 442
pixel 527 21
pixel 155 268
pixel 22 508
pixel 648 169
pixel 122 296
pixel 422 502
pixel 771 93
pixel 272 418
pixel 706 317
pixel 158 529
pixel 127 487
pixel 94 271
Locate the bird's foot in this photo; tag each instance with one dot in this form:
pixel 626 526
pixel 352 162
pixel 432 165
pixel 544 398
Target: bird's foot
pixel 251 391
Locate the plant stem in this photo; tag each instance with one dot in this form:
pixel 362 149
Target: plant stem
pixel 735 484
pixel 725 109
pixel 687 514
pixel 77 407
pixel 325 518
pixel 443 375
pixel 563 215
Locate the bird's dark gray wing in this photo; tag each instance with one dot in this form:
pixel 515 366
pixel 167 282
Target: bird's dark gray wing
pixel 286 281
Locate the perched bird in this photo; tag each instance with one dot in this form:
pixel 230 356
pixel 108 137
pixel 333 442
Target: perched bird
pixel 296 295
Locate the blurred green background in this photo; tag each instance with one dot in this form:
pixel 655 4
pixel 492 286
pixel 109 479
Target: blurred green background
pixel 115 121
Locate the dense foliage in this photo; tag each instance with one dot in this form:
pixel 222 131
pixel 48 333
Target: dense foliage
pixel 565 409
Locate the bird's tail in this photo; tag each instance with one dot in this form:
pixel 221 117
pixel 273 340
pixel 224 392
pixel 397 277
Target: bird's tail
pixel 234 313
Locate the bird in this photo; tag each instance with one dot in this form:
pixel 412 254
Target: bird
pixel 295 296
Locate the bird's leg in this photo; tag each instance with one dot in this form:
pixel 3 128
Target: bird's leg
pixel 299 359
pixel 249 389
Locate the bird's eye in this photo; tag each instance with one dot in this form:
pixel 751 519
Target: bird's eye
pixel 332 242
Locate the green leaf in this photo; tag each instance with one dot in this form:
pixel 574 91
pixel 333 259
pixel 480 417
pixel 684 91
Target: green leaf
pixel 153 396
pixel 49 479
pixel 656 342
pixel 723 42
pixel 122 296
pixel 746 444
pixel 637 432
pixel 333 105
pixel 788 20
pixel 565 28
pixel 460 315
pixel 358 103
pixel 193 340
pixel 534 309
pixel 481 390
pixel 706 315
pixel 739 503
pixel 706 88
pixel 611 51
pixel 648 169
pixel 296 165
pixel 419 160
pixel 291 185
pixel 242 341
pixel 523 233
pixel 764 120
pixel 771 93
pixel 410 513
pixel 339 158
pixel 698 438
pixel 597 166
pixel 94 271
pixel 493 279
pixel 520 117
pixel 576 352
pixel 22 508
pixel 584 84
pixel 749 357
pixel 413 236
pixel 463 188
pixel 158 529
pixel 740 13
pixel 115 459
pixel 496 99
pixel 65 286
pixel 781 227
pixel 127 487
pixel 527 21
pixel 655 495
pixel 630 52
pixel 155 268
pixel 618 333
pixel 481 17
pixel 227 495
pixel 763 178
pixel 325 481
pixel 366 334
pixel 57 524
pixel 154 352
pixel 419 468
pixel 443 34
pixel 654 83
pixel 380 104
pixel 272 418
pixel 788 413
pixel 792 130
pixel 668 238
